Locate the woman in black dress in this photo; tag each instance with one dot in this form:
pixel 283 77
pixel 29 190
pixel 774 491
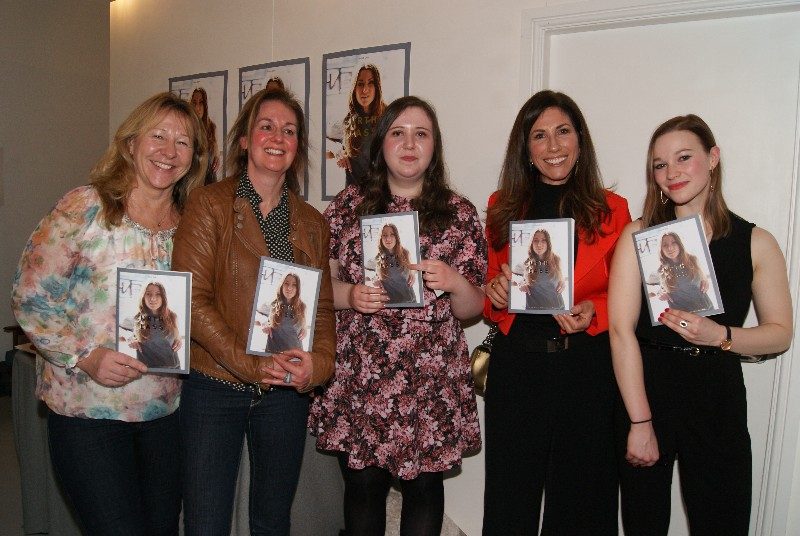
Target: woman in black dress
pixel 682 386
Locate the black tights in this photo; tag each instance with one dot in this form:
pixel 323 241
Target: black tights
pixel 365 492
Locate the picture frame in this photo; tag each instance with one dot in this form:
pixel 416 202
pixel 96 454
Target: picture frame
pixel 386 259
pixel 344 160
pixel 154 318
pixel 284 307
pixel 294 75
pixel 542 261
pixel 688 281
pixel 215 84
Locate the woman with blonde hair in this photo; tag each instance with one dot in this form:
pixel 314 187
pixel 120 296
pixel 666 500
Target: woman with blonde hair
pixel 681 382
pixel 113 430
pixel 229 395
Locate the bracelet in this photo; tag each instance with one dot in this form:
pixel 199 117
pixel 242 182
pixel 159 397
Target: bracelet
pixel 642 422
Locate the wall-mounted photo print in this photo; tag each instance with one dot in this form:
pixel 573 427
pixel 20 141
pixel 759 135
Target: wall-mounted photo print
pixel 284 308
pixel 153 318
pixel 541 260
pixel 391 245
pixel 676 268
pixel 208 94
pixel 357 86
pixel 292 75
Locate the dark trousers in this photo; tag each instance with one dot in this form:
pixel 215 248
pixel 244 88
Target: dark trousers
pixel 215 419
pixel 122 478
pixel 700 417
pixel 549 428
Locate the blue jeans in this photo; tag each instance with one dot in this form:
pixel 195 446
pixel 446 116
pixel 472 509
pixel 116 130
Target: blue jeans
pixel 215 419
pixel 123 478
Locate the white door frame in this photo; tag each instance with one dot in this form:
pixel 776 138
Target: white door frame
pixel 772 513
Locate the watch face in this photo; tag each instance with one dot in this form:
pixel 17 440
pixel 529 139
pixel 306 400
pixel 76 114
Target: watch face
pixel 726 344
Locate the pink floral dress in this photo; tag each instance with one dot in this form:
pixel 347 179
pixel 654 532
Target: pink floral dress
pixel 402 397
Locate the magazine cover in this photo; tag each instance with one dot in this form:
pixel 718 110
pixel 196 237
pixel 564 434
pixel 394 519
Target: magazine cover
pixel 390 245
pixel 542 264
pixel 676 268
pixel 284 307
pixel 153 318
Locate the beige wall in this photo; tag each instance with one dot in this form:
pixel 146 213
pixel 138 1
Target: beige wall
pixel 53 114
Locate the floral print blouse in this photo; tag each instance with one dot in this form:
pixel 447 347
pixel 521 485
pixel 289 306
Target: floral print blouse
pixel 64 296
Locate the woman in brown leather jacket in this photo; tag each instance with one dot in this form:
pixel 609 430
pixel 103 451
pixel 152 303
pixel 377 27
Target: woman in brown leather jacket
pixel 229 394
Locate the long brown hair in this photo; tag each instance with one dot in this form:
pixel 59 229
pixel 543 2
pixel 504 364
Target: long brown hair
pixel 549 260
pixel 280 304
pixel 114 175
pixel 433 203
pixel 400 253
pixel 584 198
pixel 237 155
pixel 715 213
pixel 671 269
pixel 168 318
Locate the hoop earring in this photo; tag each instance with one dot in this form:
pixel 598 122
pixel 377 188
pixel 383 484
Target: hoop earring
pixel 663 199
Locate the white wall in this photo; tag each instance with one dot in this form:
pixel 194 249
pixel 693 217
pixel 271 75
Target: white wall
pixel 53 114
pixel 465 58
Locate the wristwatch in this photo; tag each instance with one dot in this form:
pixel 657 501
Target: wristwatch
pixel 726 343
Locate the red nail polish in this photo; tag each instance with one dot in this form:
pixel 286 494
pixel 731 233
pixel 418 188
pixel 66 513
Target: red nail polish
pixel 666 310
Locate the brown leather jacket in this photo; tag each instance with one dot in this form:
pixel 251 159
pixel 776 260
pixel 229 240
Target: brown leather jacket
pixel 220 242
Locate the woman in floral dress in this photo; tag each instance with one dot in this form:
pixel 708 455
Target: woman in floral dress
pixel 402 404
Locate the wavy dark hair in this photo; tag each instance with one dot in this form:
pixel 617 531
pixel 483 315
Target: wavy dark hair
pixel 716 211
pixel 550 260
pixel 584 198
pixel 433 204
pixel 237 155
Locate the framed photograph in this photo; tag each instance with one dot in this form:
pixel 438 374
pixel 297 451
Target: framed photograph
pixel 154 318
pixel 542 266
pixel 208 94
pixel 357 86
pixel 284 307
pixel 390 244
pixel 293 75
pixel 676 268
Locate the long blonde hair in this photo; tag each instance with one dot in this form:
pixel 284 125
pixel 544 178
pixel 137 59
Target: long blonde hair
pixel 550 261
pixel 114 175
pixel 715 213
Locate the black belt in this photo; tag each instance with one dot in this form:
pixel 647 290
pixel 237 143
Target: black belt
pixel 693 351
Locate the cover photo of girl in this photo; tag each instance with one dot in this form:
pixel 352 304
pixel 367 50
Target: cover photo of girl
pixel 676 268
pixel 284 308
pixel 153 318
pixel 391 246
pixel 542 266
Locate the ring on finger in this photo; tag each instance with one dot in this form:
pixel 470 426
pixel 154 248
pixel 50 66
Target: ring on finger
pixel 288 378
pixel 683 324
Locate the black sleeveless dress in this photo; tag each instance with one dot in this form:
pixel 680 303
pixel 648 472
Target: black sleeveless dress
pixel 699 411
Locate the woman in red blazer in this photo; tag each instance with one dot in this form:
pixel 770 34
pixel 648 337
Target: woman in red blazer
pixel 551 392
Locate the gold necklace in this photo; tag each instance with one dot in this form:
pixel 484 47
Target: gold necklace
pixel 160 222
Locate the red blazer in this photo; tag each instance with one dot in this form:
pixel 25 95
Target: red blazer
pixel 591 267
